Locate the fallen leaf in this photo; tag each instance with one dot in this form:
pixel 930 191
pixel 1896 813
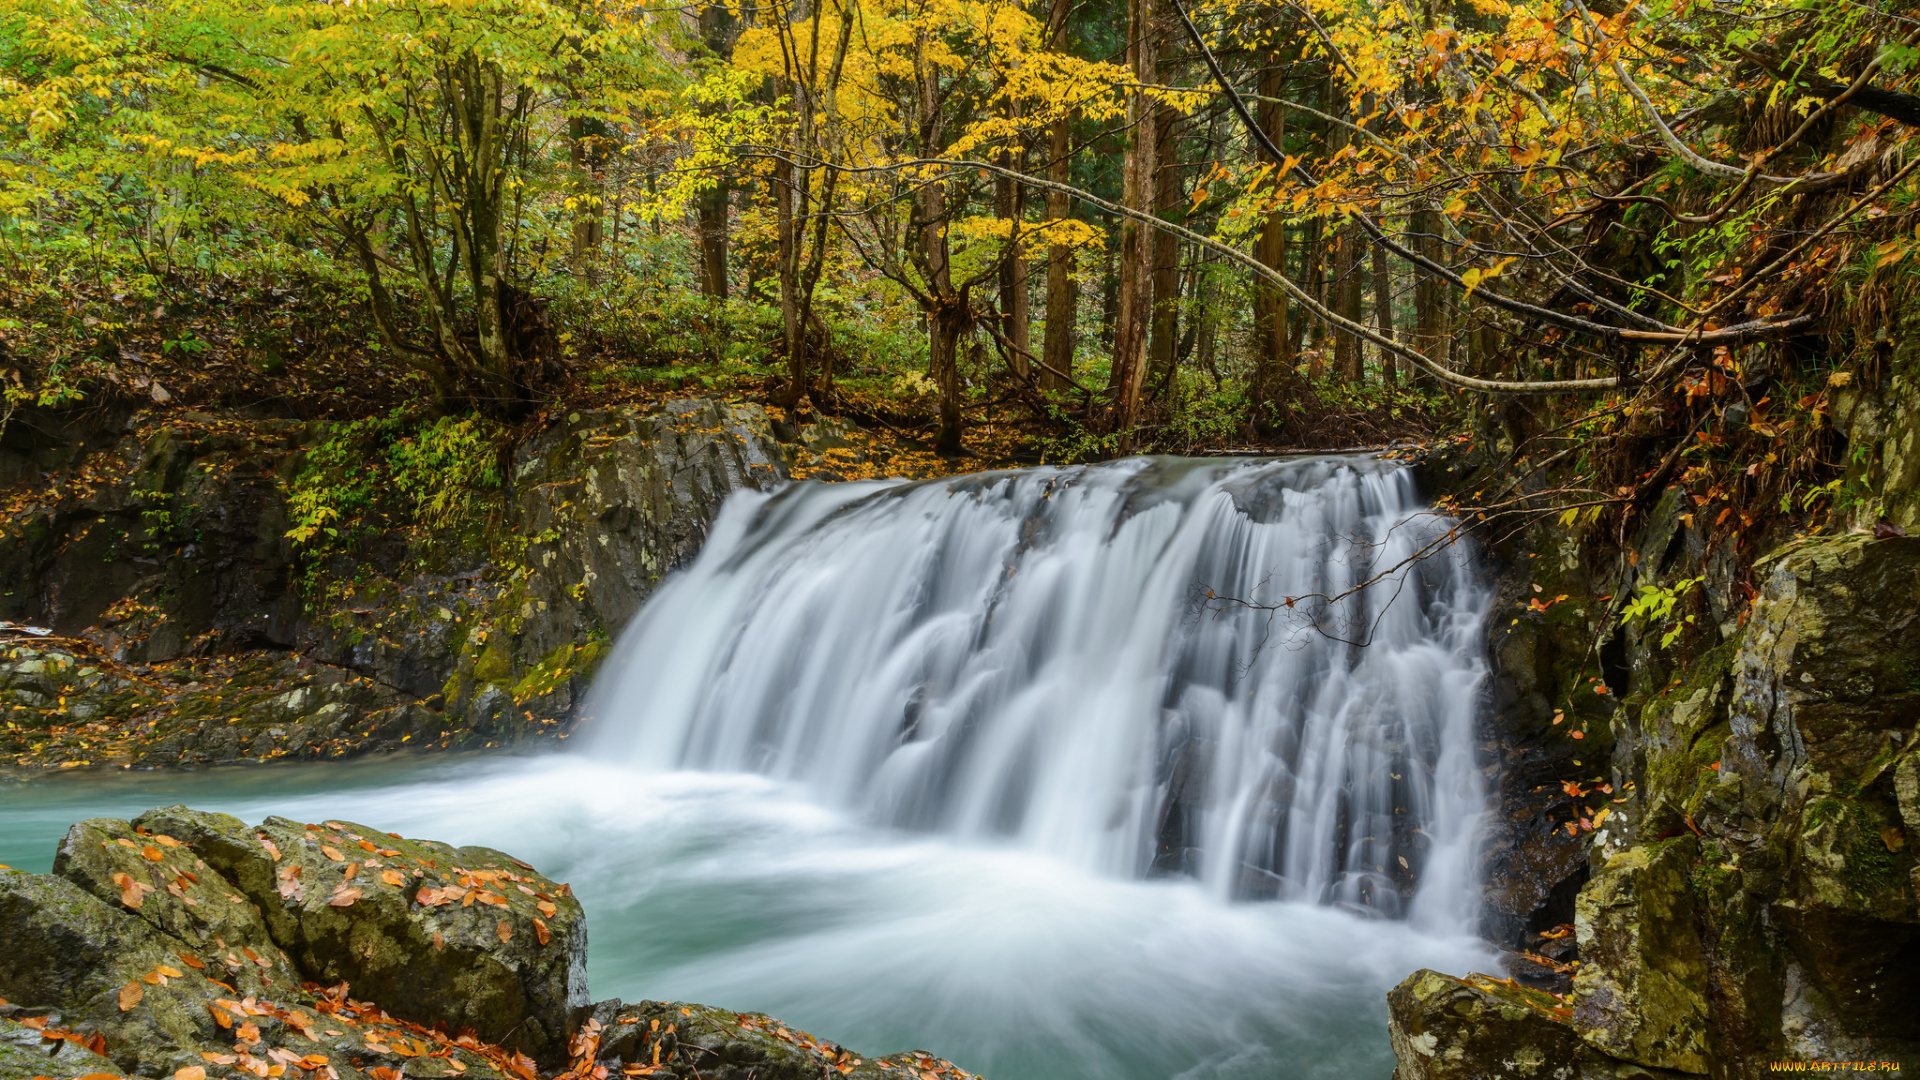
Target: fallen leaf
pixel 540 931
pixel 393 877
pixel 152 854
pixel 132 893
pixel 249 1032
pixel 352 871
pixel 191 1072
pixel 193 962
pixel 289 882
pixel 332 853
pixel 130 995
pixel 505 930
pixel 217 1059
pixel 548 908
pixel 221 1018
pixel 344 896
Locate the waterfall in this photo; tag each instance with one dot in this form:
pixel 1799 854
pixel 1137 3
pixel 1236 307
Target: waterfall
pixel 1100 663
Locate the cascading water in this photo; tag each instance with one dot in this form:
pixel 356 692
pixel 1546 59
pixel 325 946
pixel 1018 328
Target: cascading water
pixel 1160 665
pixel 929 765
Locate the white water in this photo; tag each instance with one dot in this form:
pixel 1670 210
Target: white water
pixel 734 826
pixel 1032 656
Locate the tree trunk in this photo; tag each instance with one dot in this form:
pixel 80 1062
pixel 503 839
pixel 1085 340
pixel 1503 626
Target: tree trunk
pixel 946 324
pixel 793 336
pixel 1169 201
pixel 1063 292
pixel 1311 331
pixel 586 152
pixel 1135 306
pixel 1347 239
pixel 1383 311
pixel 713 241
pixel 1010 204
pixel 1429 312
pixel 717 32
pixel 1273 343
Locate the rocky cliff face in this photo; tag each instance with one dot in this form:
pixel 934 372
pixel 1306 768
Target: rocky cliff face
pixel 1704 843
pixel 159 558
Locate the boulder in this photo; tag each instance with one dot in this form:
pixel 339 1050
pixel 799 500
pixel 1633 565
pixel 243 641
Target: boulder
pixel 699 1042
pixel 1640 993
pixel 1478 1028
pixel 26 1050
pixel 108 971
pixel 468 937
pixel 162 881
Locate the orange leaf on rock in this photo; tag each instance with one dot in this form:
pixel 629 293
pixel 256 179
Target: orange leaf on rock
pixel 547 908
pixel 332 853
pixel 344 896
pixel 393 877
pixel 191 1072
pixel 153 854
pixel 505 930
pixel 193 962
pixel 249 1032
pixel 540 931
pixel 130 995
pixel 220 1017
pixel 352 871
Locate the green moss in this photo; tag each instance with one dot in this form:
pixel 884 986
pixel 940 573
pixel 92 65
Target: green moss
pixel 557 668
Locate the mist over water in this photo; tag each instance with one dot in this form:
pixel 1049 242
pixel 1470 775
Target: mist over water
pixel 963 766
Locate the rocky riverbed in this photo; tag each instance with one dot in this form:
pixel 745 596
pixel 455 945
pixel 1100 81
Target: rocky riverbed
pixel 188 944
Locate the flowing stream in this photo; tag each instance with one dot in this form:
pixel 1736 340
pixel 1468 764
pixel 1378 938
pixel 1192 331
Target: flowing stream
pixel 1115 772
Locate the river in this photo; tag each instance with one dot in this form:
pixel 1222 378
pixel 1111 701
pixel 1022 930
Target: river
pixel 906 766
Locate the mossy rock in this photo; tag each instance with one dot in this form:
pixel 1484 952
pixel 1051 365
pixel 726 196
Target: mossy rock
pixel 464 936
pixel 1640 993
pixel 26 1052
pixel 160 880
pixel 700 1042
pixel 1478 1028
pixel 109 972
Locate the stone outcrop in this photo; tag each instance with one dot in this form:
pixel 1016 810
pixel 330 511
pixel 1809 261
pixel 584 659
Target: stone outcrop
pixel 169 543
pixel 1477 1028
pixel 187 941
pixel 1718 871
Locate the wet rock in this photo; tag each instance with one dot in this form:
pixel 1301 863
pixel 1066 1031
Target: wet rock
pixel 1444 1028
pixel 464 936
pixel 699 1042
pixel 163 882
pixel 25 1051
pixel 109 972
pixel 1640 992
